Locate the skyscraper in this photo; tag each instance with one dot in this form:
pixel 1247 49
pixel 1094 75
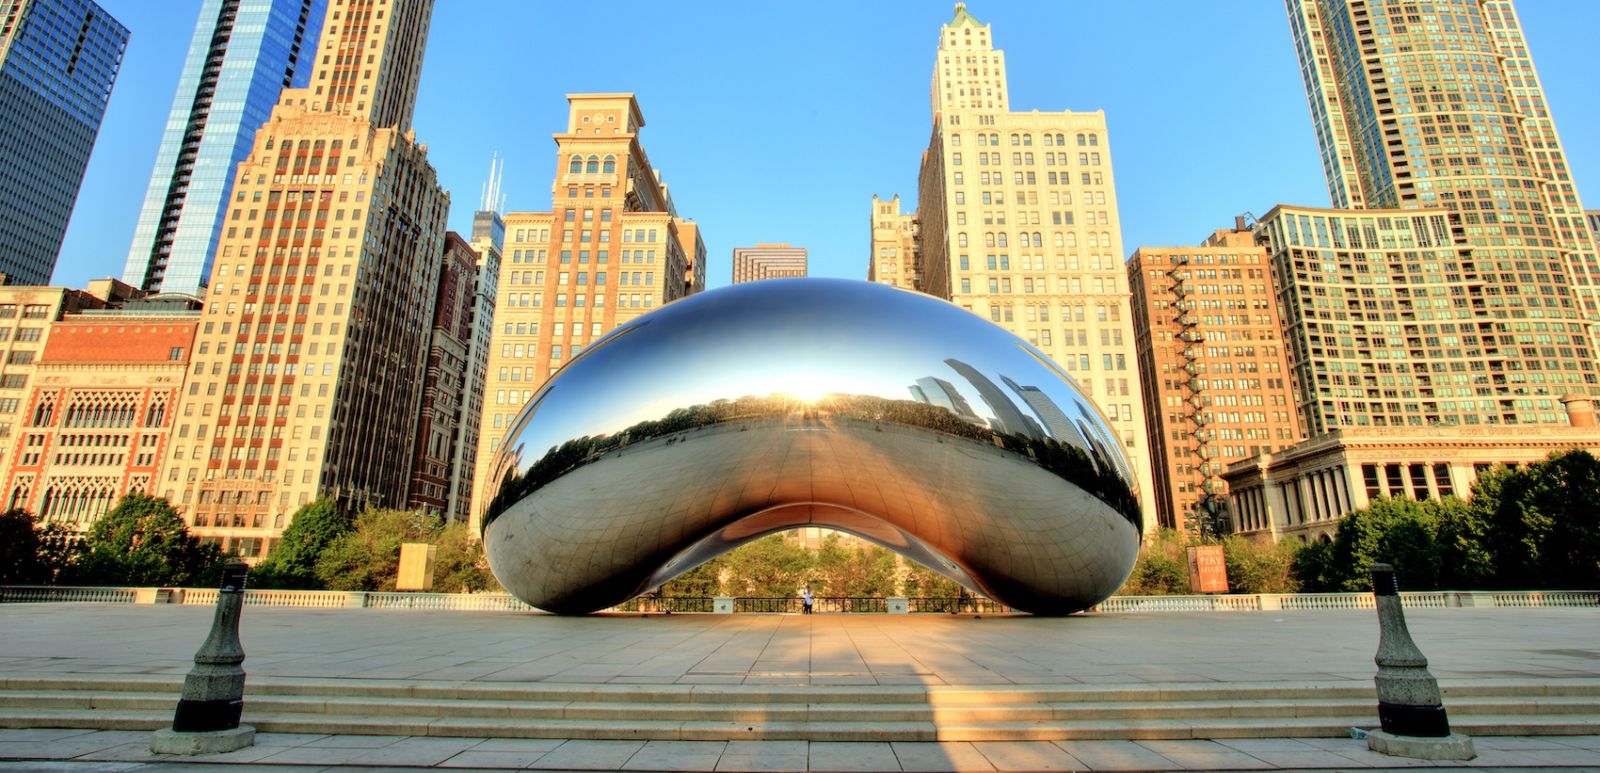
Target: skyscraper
pixel 312 352
pixel 612 248
pixel 768 261
pixel 893 256
pixel 1018 223
pixel 1438 319
pixel 488 240
pixel 58 60
pixel 242 54
pixel 448 380
pixel 1216 376
pixel 1437 105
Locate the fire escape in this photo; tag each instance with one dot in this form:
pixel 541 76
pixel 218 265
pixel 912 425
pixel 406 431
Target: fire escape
pixel 1205 515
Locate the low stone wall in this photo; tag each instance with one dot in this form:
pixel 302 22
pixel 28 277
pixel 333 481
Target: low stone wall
pixel 502 602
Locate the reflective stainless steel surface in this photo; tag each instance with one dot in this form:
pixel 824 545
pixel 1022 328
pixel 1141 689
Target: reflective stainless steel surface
pixel 828 402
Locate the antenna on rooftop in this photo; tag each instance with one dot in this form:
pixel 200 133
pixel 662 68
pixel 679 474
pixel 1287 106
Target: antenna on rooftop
pixel 492 197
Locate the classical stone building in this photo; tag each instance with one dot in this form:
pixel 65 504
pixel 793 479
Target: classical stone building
pixel 893 258
pixel 768 261
pixel 612 248
pixel 1019 224
pixel 99 415
pixel 1303 491
pixel 310 360
pixel 1215 372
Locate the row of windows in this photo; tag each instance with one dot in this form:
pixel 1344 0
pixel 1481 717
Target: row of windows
pixel 592 165
pixel 1024 139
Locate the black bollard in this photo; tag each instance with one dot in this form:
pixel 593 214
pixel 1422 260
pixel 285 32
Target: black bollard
pixel 1410 707
pixel 207 718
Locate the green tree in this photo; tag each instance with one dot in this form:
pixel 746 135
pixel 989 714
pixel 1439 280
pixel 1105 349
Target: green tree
pixel 1313 568
pixel 1542 523
pixel 1464 559
pixel 1398 531
pixel 143 542
pixel 460 564
pixel 21 562
pixel 367 558
pixel 703 580
pixel 1260 567
pixel 852 569
pixel 293 561
pixel 922 582
pixel 769 567
pixel 1162 567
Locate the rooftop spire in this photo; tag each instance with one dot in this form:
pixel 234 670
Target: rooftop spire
pixel 492 198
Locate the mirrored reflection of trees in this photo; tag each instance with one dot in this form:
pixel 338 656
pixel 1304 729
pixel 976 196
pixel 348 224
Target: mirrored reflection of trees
pixel 1067 461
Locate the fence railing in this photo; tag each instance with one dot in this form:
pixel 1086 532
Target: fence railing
pixel 503 602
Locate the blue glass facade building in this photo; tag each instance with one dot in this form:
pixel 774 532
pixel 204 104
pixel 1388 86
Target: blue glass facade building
pixel 58 60
pixel 243 53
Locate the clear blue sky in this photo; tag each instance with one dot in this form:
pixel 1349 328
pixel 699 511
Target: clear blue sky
pixel 779 121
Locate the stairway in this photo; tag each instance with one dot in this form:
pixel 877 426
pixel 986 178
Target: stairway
pixel 854 713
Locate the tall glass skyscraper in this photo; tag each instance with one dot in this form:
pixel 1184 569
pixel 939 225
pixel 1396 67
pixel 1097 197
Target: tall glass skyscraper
pixel 243 53
pixel 58 59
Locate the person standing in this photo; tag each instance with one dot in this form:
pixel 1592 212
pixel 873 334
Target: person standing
pixel 806 600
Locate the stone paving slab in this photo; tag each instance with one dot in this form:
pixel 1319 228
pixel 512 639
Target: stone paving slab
pixel 1201 647
pixel 693 650
pixel 287 753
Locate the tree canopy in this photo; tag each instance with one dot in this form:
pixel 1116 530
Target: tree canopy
pixel 143 542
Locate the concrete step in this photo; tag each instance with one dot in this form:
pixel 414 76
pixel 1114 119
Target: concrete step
pixel 724 712
pixel 1147 729
pixel 934 695
pixel 800 712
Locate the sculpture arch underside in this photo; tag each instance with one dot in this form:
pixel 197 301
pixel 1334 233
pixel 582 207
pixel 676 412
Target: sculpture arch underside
pixel 889 415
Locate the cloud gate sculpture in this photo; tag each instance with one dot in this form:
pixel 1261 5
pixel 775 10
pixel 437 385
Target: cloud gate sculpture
pixel 772 405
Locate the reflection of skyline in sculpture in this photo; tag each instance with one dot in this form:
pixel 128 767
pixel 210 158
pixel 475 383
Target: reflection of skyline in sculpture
pixel 939 392
pixel 1055 420
pixel 1007 418
pixel 791 411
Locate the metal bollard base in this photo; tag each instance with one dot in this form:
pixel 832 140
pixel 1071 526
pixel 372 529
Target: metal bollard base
pixel 1451 747
pixel 168 741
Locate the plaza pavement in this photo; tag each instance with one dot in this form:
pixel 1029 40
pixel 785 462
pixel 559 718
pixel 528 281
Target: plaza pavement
pixel 489 647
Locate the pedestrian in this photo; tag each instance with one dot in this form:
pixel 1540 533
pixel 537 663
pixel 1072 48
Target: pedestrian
pixel 806 600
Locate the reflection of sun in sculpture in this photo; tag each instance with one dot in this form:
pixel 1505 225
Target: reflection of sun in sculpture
pixel 808 387
pixel 932 432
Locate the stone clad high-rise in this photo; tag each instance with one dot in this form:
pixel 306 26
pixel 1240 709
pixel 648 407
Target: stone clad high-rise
pixel 58 60
pixel 1438 105
pixel 612 248
pixel 309 364
pixel 242 54
pixel 1018 223
pixel 893 258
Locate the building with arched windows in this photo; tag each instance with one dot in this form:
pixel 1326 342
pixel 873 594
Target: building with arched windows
pixel 100 409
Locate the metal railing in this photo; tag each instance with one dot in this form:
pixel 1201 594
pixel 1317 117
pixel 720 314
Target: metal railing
pixel 503 602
